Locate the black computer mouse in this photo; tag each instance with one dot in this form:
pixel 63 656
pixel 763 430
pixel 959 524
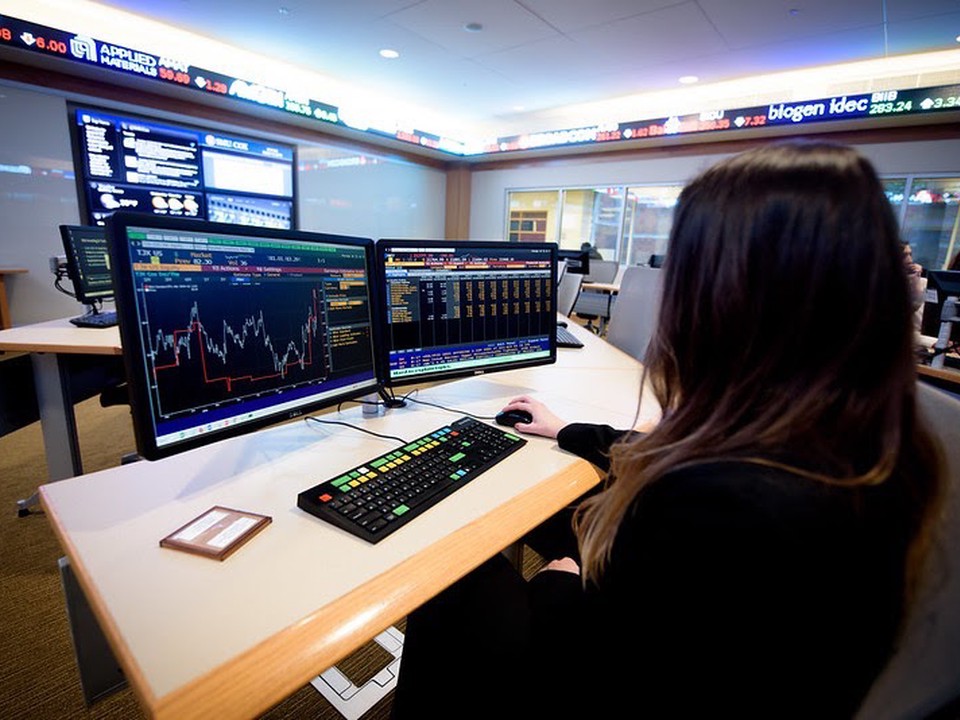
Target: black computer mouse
pixel 512 417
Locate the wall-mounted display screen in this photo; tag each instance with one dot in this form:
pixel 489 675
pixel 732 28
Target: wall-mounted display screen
pixel 138 164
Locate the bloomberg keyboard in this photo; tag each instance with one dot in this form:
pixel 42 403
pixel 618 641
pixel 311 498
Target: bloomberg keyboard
pixel 567 339
pixel 383 494
pixel 97 320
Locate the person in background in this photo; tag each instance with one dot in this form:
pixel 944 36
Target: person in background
pixel 591 251
pixel 918 283
pixel 754 553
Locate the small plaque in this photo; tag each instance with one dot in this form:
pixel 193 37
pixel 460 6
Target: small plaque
pixel 216 533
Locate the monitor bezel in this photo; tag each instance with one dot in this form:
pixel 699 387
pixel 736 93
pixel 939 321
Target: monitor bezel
pixel 73 271
pixel 382 344
pixel 134 358
pixel 944 281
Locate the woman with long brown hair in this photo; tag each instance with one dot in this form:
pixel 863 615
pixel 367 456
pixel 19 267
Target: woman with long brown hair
pixel 753 554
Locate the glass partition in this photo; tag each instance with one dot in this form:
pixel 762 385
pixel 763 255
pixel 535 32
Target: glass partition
pixel 631 223
pixel 930 220
pixel 647 222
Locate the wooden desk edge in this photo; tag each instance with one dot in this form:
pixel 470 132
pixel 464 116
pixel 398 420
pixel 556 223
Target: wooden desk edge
pixel 258 679
pixel 951 376
pixel 61 349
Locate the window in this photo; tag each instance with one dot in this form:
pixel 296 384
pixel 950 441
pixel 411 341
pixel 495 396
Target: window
pixel 930 220
pixel 626 224
pixel 592 215
pixel 647 222
pixel 532 215
pixel 631 223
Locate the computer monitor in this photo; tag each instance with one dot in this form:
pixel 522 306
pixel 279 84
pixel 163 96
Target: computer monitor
pixel 578 261
pixel 227 328
pixel 88 264
pixel 460 307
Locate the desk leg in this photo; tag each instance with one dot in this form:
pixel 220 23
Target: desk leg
pixel 57 422
pixel 100 674
pixel 5 320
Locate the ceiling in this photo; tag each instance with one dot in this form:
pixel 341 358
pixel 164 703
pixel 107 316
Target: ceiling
pixel 541 64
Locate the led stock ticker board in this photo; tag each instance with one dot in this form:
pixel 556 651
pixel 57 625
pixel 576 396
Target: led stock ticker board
pixel 89 51
pixel 35 38
pixel 844 107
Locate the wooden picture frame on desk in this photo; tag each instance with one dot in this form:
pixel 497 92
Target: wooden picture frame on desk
pixel 217 533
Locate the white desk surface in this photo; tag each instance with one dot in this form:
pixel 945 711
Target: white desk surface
pixel 61 336
pixel 202 638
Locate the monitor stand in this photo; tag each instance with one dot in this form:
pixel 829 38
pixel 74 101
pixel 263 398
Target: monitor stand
pixel 389 399
pixel 95 317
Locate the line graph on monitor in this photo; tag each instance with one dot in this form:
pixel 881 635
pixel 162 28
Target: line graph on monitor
pixel 218 341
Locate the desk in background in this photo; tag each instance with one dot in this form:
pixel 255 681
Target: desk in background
pixel 199 638
pixel 5 320
pixel 49 343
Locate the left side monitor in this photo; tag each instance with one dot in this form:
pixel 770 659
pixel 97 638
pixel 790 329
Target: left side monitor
pixel 88 265
pixel 226 328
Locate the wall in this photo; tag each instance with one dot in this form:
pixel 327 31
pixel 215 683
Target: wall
pixel 341 190
pixel 677 165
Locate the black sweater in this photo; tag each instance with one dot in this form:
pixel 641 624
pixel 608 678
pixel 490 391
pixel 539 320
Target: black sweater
pixel 733 590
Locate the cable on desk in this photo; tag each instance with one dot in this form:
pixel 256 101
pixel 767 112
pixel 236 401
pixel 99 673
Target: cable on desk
pixel 449 409
pixel 311 418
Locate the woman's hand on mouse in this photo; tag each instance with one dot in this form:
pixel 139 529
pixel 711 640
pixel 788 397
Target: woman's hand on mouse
pixel 544 421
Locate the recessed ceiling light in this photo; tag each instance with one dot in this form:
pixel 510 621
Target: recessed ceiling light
pixel 389 54
pixel 688 79
pixel 473 27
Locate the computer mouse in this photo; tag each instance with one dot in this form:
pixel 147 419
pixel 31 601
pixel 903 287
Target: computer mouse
pixel 512 417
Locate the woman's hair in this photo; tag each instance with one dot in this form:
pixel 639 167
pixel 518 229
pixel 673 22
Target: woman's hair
pixel 785 336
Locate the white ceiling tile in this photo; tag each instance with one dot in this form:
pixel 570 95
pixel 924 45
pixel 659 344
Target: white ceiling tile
pixel 656 38
pixel 505 24
pixel 748 23
pixel 571 15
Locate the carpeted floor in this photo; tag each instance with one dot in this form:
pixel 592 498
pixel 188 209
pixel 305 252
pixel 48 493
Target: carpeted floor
pixel 38 674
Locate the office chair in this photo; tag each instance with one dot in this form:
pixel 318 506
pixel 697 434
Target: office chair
pixel 594 305
pixel 634 316
pixel 922 679
pixel 567 293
